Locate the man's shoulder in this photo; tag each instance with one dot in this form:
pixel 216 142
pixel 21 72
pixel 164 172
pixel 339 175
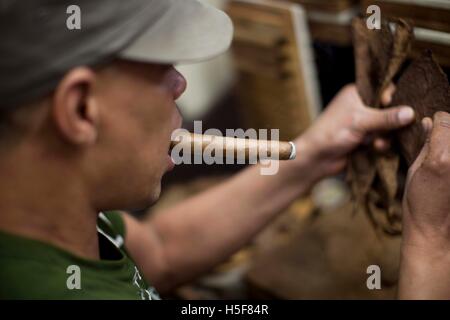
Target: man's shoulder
pixel 26 278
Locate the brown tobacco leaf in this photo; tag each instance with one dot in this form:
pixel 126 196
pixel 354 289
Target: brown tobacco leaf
pixel 371 56
pixel 387 167
pixel 424 87
pixel 362 174
pixel 389 220
pixel 400 49
pixel 379 55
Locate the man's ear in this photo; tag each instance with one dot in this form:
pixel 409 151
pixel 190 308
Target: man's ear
pixel 74 110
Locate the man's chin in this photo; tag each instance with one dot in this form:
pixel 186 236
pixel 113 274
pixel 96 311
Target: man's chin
pixel 151 199
pixel 144 202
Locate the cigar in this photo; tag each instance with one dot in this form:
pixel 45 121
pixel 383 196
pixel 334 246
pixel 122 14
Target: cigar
pixel 235 147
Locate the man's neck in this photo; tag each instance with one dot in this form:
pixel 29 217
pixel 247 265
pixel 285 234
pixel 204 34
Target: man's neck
pixel 47 205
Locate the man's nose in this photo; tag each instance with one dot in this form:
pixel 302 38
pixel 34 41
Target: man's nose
pixel 179 86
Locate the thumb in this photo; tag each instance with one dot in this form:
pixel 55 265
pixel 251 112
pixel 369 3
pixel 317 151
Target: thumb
pixel 386 119
pixel 427 125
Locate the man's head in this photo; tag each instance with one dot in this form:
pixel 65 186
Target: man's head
pixel 103 121
pixel 111 127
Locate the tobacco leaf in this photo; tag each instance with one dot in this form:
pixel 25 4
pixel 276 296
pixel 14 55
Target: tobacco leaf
pixel 386 219
pixel 387 167
pixel 379 55
pixel 424 87
pixel 362 174
pixel 371 56
pixel 400 50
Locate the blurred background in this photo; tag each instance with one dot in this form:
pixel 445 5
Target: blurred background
pixel 288 60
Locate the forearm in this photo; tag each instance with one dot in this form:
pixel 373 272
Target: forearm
pixel 202 231
pixel 424 269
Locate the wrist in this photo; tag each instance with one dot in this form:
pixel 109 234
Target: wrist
pixel 424 268
pixel 421 233
pixel 417 241
pixel 304 166
pixel 432 250
pixel 318 162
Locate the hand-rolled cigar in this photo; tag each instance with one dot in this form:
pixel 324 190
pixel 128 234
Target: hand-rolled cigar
pixel 237 148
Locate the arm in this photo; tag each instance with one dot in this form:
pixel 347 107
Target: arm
pixel 425 264
pixel 199 233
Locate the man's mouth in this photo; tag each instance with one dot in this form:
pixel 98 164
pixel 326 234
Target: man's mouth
pixel 170 163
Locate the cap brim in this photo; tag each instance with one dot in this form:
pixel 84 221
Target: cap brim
pixel 189 31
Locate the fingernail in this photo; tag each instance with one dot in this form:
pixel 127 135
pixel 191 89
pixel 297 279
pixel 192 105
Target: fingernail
pixel 405 115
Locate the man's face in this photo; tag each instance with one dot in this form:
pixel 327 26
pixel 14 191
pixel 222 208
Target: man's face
pixel 139 114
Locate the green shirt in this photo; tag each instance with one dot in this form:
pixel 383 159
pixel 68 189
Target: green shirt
pixel 31 269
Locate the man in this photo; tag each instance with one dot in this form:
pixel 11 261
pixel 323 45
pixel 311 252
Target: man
pixel 86 119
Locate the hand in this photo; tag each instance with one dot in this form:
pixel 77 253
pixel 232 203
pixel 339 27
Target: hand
pixel 425 253
pixel 344 125
pixel 426 202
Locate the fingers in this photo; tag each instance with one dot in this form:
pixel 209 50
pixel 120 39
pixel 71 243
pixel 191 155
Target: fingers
pixel 381 144
pixel 435 154
pixel 381 120
pixel 386 97
pixel 427 125
pixel 439 140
